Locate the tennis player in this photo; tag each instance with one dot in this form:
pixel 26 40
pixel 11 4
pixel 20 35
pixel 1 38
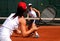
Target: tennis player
pixel 12 23
pixel 32 12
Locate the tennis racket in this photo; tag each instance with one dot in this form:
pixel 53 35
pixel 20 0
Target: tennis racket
pixel 48 14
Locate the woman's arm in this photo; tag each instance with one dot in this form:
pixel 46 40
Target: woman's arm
pixel 24 30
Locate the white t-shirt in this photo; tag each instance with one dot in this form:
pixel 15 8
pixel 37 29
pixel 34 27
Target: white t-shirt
pixel 11 23
pixel 7 28
pixel 33 13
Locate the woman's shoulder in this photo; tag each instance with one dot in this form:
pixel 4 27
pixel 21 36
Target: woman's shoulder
pixel 12 14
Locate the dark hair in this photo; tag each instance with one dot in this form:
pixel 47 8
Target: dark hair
pixel 30 6
pixel 19 12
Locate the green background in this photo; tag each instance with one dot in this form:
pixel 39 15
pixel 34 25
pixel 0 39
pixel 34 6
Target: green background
pixel 9 6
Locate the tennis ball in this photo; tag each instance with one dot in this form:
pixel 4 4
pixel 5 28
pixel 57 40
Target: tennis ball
pixel 41 4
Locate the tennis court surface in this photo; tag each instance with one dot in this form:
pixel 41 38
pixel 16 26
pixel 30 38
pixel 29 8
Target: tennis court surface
pixel 47 33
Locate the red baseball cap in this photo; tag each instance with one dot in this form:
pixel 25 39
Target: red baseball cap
pixel 23 5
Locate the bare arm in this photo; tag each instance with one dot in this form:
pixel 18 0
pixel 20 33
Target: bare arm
pixel 38 12
pixel 24 30
pixel 27 15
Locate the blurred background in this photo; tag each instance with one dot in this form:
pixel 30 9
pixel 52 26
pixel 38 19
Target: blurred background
pixel 9 6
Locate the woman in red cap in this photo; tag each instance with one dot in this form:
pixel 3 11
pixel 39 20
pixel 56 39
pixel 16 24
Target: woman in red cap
pixel 12 23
